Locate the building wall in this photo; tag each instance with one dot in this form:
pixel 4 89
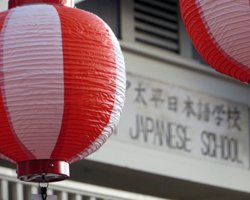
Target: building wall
pixel 3 5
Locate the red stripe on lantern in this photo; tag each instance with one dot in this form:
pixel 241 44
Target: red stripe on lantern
pixel 90 81
pixel 10 146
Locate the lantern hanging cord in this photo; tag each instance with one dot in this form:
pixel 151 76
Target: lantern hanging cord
pixel 44 193
pixel 43 190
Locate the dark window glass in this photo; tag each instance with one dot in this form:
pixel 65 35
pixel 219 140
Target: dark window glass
pixel 108 10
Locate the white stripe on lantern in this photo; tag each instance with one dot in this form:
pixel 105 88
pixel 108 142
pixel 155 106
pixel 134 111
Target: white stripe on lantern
pixel 228 23
pixel 118 104
pixel 34 76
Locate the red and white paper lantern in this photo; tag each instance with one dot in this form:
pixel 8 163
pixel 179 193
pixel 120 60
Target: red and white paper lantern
pixel 220 31
pixel 62 81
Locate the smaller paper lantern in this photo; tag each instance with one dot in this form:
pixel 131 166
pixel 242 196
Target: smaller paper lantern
pixel 220 32
pixel 62 86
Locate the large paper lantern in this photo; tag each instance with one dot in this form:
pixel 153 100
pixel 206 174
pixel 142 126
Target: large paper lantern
pixel 62 81
pixel 220 31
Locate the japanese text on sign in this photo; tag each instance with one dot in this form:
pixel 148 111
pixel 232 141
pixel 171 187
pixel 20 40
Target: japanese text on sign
pixel 178 120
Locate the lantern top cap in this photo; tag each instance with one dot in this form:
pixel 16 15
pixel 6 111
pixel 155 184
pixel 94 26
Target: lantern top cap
pixel 15 3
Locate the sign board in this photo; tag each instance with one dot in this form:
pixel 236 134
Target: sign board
pixel 39 197
pixel 184 122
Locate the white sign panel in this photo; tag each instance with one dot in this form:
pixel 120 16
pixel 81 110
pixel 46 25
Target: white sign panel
pixel 184 122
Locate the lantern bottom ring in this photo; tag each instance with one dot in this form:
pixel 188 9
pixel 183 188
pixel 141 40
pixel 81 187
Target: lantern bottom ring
pixel 43 170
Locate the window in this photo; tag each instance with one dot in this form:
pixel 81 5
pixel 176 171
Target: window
pixel 156 23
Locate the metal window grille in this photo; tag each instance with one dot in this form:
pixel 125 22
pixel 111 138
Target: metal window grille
pixel 156 23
